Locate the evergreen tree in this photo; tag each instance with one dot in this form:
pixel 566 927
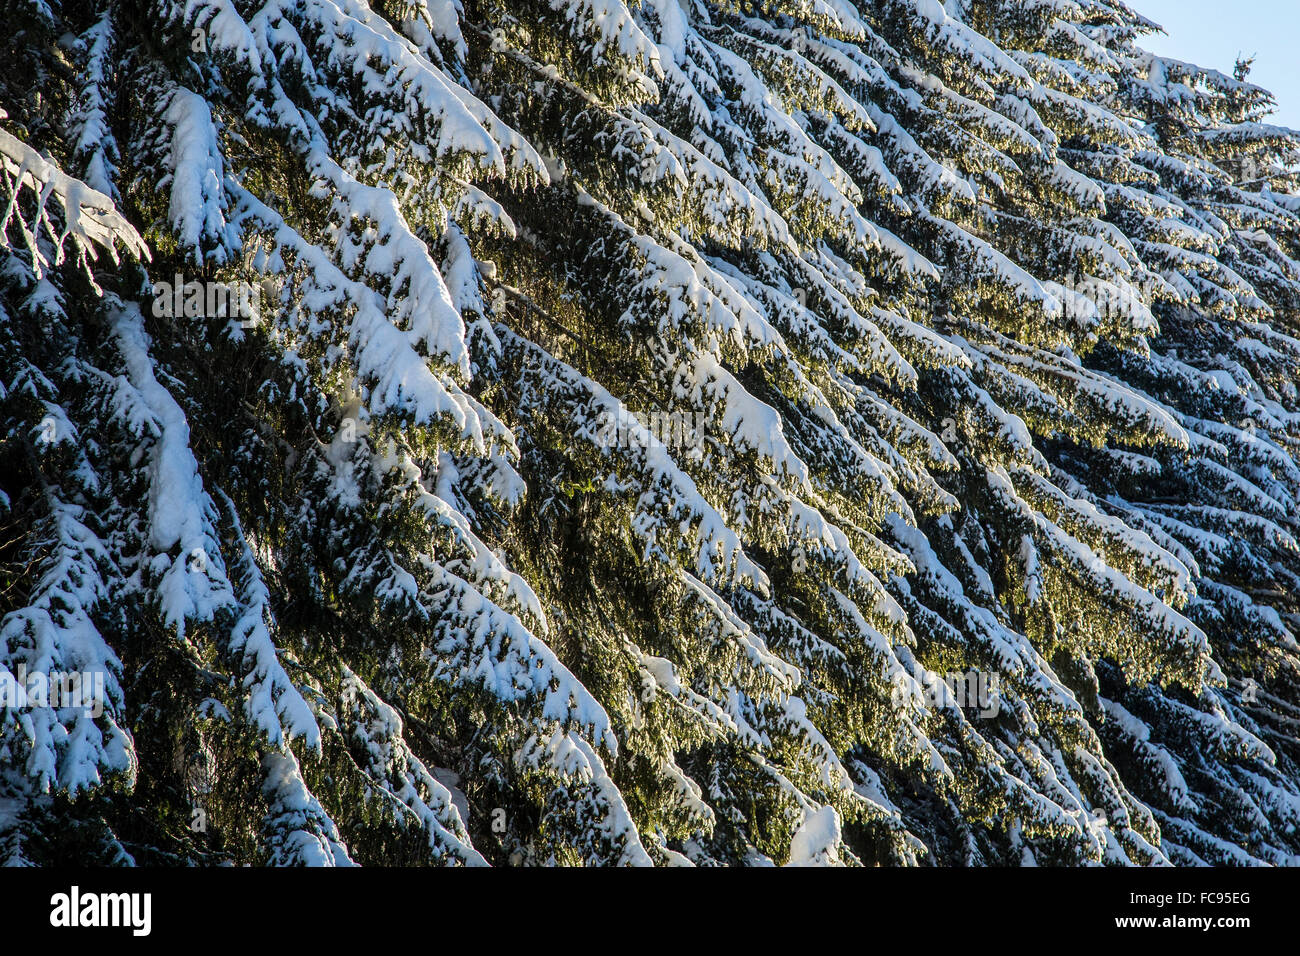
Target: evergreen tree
pixel 644 409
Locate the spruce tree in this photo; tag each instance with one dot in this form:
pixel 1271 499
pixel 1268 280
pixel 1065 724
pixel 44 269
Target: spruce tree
pixel 646 411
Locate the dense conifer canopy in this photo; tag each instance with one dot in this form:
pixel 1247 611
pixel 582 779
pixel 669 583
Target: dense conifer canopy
pixel 646 432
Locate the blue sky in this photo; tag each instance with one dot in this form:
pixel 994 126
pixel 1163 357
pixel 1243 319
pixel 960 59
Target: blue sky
pixel 1212 32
